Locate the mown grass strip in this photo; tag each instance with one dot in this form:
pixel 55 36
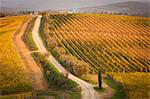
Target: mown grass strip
pixel 27 37
pixel 119 91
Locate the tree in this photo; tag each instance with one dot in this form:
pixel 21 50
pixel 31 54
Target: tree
pixel 67 74
pixel 99 78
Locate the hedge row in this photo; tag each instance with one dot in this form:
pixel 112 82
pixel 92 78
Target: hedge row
pixel 53 76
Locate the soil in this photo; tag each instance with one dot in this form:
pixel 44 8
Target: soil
pixel 33 71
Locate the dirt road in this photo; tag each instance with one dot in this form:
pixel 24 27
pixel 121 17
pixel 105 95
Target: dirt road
pixel 30 67
pixel 87 89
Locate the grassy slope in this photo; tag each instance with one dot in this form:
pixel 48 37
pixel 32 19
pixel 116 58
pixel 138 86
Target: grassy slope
pixel 27 37
pixel 119 91
pixel 136 85
pixel 12 77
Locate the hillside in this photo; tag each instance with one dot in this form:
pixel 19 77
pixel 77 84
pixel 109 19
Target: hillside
pixel 4 11
pixel 12 77
pixel 20 75
pixel 130 8
pixel 118 45
pixel 115 43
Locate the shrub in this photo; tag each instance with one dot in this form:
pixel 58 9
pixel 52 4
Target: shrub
pixel 53 76
pixel 74 65
pixel 51 42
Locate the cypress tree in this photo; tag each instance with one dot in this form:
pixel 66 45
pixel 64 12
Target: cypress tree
pixel 99 79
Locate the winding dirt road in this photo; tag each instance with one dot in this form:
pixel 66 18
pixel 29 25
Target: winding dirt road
pixel 30 67
pixel 87 89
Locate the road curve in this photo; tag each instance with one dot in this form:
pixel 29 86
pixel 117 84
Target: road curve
pixel 87 89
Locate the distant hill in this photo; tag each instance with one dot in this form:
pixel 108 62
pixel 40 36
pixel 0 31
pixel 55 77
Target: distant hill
pixel 4 11
pixel 130 8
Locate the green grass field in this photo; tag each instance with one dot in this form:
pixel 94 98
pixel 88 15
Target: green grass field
pixel 27 37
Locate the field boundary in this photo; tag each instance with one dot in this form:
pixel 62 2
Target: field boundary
pixel 33 71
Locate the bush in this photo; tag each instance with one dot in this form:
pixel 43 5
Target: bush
pixel 53 76
pixel 51 42
pixel 71 63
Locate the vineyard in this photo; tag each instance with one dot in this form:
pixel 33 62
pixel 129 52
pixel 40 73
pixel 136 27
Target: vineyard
pixel 116 44
pixel 12 78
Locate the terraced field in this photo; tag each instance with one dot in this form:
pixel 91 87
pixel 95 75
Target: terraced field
pixel 116 44
pixel 12 77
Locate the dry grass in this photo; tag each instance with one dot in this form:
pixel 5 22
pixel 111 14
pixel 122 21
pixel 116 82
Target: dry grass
pixel 12 77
